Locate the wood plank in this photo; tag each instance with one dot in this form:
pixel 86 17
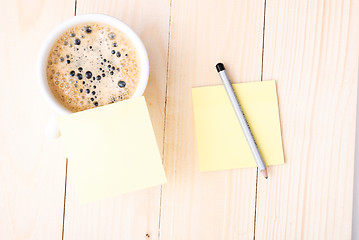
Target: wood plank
pixel 32 167
pixel 135 215
pixel 215 205
pixel 311 49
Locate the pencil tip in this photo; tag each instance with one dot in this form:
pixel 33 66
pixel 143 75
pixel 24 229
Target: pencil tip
pixel 265 173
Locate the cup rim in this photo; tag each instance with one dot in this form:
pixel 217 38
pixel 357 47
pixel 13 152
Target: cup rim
pixel 65 25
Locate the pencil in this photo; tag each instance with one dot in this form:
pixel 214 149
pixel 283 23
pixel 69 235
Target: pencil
pixel 242 120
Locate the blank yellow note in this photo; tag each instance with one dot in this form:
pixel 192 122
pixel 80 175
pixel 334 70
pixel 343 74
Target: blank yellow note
pixel 220 139
pixel 112 150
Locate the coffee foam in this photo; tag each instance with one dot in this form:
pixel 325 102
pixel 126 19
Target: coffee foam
pixel 92 64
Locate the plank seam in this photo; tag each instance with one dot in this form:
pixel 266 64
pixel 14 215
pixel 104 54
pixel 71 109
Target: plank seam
pixel 165 112
pixel 264 26
pixel 63 213
pixel 63 216
pixel 255 207
pixel 75 7
pixel 256 194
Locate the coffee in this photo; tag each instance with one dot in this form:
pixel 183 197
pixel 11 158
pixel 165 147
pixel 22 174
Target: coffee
pixel 92 65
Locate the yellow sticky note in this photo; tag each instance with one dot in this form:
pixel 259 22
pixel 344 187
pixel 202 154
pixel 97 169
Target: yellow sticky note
pixel 112 150
pixel 220 139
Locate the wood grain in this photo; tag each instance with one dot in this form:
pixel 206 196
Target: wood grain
pixel 311 49
pixel 214 205
pixel 135 215
pixel 32 167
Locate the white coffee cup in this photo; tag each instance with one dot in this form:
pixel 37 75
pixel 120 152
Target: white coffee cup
pixel 51 129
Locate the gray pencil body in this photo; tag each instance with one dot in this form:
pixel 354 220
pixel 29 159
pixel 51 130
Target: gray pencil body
pixel 242 120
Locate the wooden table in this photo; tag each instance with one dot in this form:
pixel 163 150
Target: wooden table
pixel 309 47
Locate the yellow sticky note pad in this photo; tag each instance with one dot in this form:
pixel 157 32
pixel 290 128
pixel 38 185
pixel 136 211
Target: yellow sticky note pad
pixel 112 150
pixel 220 139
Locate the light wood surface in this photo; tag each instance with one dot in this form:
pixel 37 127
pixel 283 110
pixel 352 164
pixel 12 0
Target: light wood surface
pixel 131 216
pixel 32 168
pixel 214 205
pixel 310 48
